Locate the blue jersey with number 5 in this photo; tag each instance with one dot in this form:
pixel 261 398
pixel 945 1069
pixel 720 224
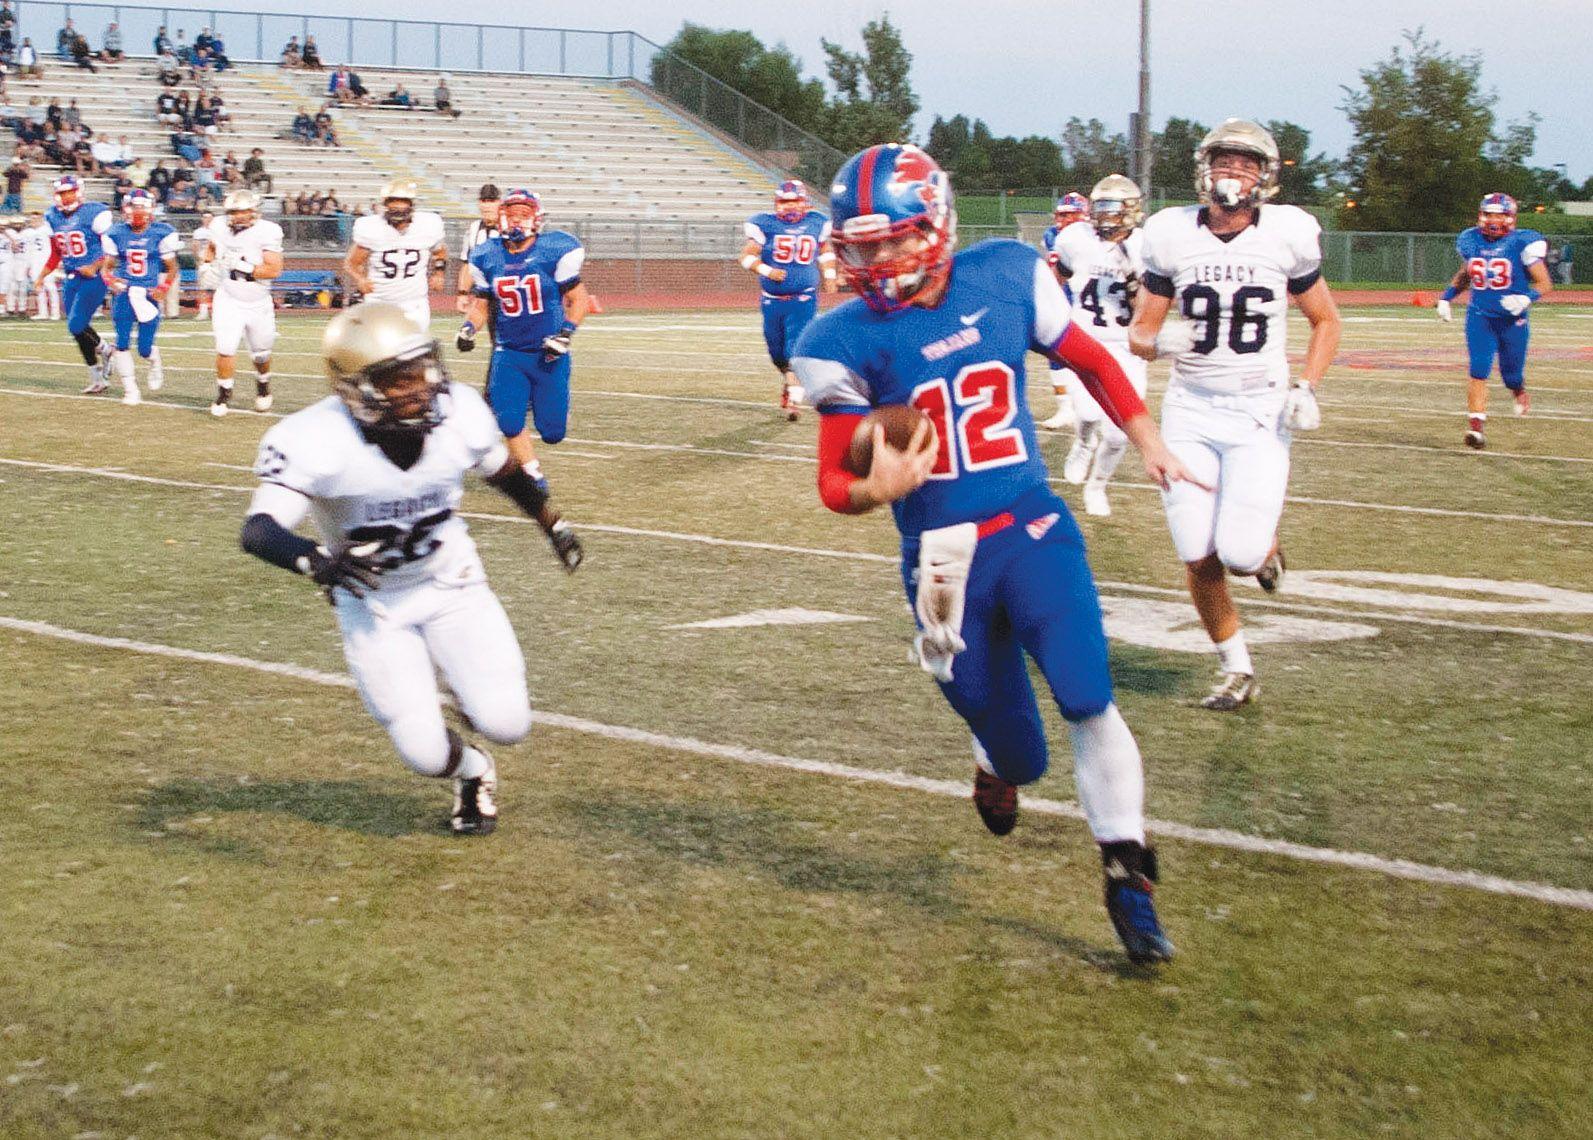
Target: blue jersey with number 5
pixel 1497 267
pixel 527 288
pixel 793 247
pixel 961 364
pixel 139 255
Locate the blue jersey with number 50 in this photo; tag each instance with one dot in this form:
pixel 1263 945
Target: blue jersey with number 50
pixel 962 364
pixel 793 247
pixel 527 288
pixel 1497 267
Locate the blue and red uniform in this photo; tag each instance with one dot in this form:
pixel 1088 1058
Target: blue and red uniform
pixel 1497 268
pixel 140 257
pixel 789 305
pixel 75 246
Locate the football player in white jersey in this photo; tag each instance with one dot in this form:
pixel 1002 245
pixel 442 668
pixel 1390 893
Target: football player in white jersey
pixel 35 238
pixel 1071 209
pixel 10 258
pixel 378 466
pixel 1102 262
pixel 207 275
pixel 399 255
pixel 249 251
pixel 1231 264
pixel 482 230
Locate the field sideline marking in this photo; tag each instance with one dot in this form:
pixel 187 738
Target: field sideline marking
pixel 954 789
pixel 845 555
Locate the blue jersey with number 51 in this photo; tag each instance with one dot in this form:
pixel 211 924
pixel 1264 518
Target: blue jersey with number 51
pixel 1497 267
pixel 527 288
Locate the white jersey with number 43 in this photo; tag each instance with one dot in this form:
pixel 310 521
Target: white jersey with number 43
pixel 399 259
pixel 1234 290
pixel 1099 272
pixel 358 495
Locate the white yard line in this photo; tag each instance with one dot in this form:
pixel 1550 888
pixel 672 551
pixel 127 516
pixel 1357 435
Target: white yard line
pixel 954 789
pixel 845 555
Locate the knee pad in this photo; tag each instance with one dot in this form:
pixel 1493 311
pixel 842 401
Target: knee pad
pixel 1242 557
pixel 261 357
pixel 507 725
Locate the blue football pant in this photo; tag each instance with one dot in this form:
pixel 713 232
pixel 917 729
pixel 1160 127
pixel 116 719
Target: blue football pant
pixel 81 298
pixel 1026 596
pixel 1505 336
pixel 522 382
pixel 783 322
pixel 125 320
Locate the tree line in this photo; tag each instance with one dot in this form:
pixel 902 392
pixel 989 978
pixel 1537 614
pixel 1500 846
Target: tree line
pixel 1427 143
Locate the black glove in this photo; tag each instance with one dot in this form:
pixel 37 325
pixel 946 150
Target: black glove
pixel 353 566
pixel 558 344
pixel 466 340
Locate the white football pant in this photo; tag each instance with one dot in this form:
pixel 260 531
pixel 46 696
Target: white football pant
pixel 1113 441
pixel 1237 444
pixel 233 320
pixel 396 640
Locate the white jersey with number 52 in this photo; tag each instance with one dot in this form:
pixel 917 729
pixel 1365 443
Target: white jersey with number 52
pixel 1098 274
pixel 400 259
pixel 1233 290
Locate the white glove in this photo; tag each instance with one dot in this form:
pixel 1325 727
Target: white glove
pixel 1175 339
pixel 143 308
pixel 1300 413
pixel 1445 311
pixel 944 557
pixel 1515 303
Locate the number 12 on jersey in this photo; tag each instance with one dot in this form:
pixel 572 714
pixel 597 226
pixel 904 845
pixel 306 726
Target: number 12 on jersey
pixel 518 295
pixel 986 436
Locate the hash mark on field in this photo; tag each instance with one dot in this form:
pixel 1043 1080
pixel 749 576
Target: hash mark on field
pixel 956 789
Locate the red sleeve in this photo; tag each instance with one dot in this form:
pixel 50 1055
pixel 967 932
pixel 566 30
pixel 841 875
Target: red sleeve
pixel 1102 375
pixel 55 259
pixel 835 481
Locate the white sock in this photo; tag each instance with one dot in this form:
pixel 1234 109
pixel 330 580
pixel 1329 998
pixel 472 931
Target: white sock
pixel 124 369
pixel 1110 778
pixel 473 764
pixel 1107 457
pixel 1235 654
pixel 224 385
pixel 261 379
pixel 982 758
pixel 154 359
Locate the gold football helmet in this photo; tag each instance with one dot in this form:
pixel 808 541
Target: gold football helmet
pixel 242 208
pixel 1237 136
pixel 385 368
pixel 398 199
pixel 1116 207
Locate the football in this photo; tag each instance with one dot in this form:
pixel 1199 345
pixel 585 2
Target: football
pixel 900 421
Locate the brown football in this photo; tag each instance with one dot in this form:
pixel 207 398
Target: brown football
pixel 899 422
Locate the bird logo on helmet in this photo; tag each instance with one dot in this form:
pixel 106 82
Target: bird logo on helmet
pixel 242 208
pixel 791 202
pixel 1071 207
pixel 1496 216
pixel 1237 136
pixel 1116 207
pixel 138 208
pixel 881 198
pixel 514 223
pixel 386 370
pixel 398 202
pixel 68 193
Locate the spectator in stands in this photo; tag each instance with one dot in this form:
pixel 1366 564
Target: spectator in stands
pixel 398 97
pixel 312 55
pixel 52 113
pixel 230 173
pixel 38 115
pixel 73 115
pixel 292 54
pixel 304 127
pixel 330 204
pixel 362 94
pixel 187 145
pixel 309 203
pixel 183 51
pixel 255 175
pixel 120 189
pixel 169 67
pixel 8 18
pixel 183 198
pixel 11 115
pixel 82 54
pixel 107 155
pixel 128 155
pixel 185 111
pixel 443 98
pixel 218 53
pixel 65 39
pixel 17 176
pixel 338 85
pixel 162 42
pixel 28 60
pixel 219 106
pixel 166 109
pixel 159 180
pixel 112 52
pixel 1567 265
pixel 137 174
pixel 83 156
pixel 8 47
pixel 66 140
pixel 205 121
pixel 208 172
pixel 324 129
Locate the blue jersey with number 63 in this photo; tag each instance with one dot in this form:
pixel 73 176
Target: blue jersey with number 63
pixel 527 288
pixel 1497 267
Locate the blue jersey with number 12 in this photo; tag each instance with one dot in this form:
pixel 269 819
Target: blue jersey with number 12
pixel 526 289
pixel 1497 267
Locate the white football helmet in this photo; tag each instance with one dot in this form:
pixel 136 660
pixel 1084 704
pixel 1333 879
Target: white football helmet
pixel 1116 207
pixel 242 208
pixel 1237 136
pixel 398 199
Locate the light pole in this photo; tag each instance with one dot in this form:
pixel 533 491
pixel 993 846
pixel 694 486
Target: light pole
pixel 1142 120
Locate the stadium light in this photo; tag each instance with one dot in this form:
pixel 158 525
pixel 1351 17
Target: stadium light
pixel 1142 122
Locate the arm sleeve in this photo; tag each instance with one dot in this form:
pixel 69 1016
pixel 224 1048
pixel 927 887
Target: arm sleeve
pixel 1159 275
pixel 1102 375
pixel 1305 246
pixel 1052 313
pixel 835 481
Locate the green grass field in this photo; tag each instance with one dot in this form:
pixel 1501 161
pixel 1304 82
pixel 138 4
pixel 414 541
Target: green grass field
pixel 738 889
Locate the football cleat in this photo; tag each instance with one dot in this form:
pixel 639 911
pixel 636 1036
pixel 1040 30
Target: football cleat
pixel 1064 416
pixel 996 801
pixel 1474 437
pixel 1523 402
pixel 1231 691
pixel 475 803
pixel 1270 576
pixel 566 546
pixel 218 406
pixel 157 378
pixel 1082 454
pixel 1131 876
pixel 95 386
pixel 1095 501
pixel 789 404
pixel 131 398
pixel 262 398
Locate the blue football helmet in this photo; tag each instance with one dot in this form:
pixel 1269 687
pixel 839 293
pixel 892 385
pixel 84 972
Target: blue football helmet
pixel 1496 216
pixel 1070 208
pixel 883 195
pixel 138 207
pixel 523 226
pixel 791 202
pixel 68 193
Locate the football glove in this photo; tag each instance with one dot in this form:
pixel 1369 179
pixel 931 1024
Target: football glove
pixel 1130 287
pixel 944 558
pixel 466 340
pixel 1175 339
pixel 1301 413
pixel 353 566
pixel 558 344
pixel 1446 312
pixel 1515 303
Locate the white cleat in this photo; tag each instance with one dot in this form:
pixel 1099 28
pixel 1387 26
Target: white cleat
pixel 131 398
pixel 263 403
pixel 157 379
pixel 1077 464
pixel 1063 418
pixel 1095 502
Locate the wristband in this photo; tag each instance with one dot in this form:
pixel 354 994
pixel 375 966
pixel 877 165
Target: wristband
pixel 1450 294
pixel 1532 293
pixel 749 260
pixel 467 330
pixel 568 329
pixel 764 270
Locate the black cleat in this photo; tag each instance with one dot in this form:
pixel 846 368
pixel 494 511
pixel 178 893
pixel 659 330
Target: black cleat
pixel 475 804
pixel 565 545
pixel 1131 875
pixel 1270 576
pixel 997 802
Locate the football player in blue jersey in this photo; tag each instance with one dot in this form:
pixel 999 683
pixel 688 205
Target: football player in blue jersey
pixel 1071 207
pixel 139 267
pixel 532 281
pixel 789 249
pixel 1505 270
pixel 993 563
pixel 77 228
